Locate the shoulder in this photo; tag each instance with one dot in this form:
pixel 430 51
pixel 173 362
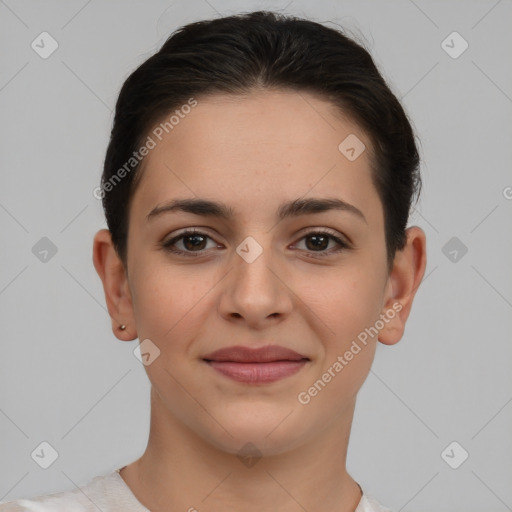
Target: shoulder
pixel 57 502
pixel 99 493
pixel 369 504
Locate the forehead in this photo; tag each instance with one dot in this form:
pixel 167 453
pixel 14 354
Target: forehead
pixel 256 150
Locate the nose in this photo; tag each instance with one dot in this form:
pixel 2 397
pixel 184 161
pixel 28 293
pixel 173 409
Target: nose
pixel 256 292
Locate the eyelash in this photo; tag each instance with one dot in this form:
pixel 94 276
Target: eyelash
pixel 168 244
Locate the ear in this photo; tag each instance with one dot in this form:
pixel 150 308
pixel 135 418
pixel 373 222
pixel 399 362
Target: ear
pixel 111 270
pixel 403 282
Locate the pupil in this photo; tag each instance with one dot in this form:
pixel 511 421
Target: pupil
pixel 318 238
pixel 197 242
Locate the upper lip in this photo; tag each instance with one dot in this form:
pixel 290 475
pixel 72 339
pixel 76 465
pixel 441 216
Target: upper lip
pixel 241 354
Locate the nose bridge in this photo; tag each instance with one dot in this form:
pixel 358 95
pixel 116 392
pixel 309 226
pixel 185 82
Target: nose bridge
pixel 254 291
pixel 252 266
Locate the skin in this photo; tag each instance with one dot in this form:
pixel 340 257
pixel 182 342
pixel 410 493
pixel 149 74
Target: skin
pixel 253 152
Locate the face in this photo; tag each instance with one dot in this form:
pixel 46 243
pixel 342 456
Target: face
pixel 310 281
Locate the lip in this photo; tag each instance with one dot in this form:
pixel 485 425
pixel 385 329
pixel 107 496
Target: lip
pixel 256 365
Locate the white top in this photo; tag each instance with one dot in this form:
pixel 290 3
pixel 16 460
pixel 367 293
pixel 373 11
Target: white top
pixel 110 493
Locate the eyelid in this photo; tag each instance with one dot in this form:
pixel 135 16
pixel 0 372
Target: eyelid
pixel 167 243
pixel 343 244
pixel 320 229
pixel 342 241
pixel 303 232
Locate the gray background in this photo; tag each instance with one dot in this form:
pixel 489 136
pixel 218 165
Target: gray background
pixel 65 379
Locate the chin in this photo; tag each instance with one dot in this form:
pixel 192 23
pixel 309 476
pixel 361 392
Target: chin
pixel 266 432
pixel 244 444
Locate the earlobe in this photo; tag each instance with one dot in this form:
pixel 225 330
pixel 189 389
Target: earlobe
pixel 112 273
pixel 404 280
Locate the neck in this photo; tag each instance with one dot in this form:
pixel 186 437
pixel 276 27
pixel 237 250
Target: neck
pixel 181 471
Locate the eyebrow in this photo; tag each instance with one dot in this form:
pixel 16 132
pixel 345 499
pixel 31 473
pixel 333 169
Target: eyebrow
pixel 220 210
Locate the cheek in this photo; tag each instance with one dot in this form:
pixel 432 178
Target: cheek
pixel 348 301
pixel 169 303
pixel 160 300
pixel 350 307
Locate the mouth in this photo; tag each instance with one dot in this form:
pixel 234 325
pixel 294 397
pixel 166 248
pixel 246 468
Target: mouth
pixel 256 366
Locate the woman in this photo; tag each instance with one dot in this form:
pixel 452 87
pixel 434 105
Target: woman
pixel 257 187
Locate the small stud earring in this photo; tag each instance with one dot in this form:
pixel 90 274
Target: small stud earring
pixel 122 327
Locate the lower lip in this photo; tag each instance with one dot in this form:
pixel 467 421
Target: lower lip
pixel 255 373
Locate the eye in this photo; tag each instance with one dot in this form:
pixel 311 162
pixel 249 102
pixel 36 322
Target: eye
pixel 319 241
pixel 193 243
